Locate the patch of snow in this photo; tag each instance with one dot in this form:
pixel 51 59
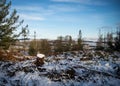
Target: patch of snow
pixel 40 55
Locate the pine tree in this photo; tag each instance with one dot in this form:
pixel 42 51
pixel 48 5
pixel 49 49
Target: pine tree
pixel 68 43
pixel 80 45
pixel 117 40
pixel 41 46
pixel 110 41
pixel 32 48
pixel 100 43
pixel 44 47
pixel 9 23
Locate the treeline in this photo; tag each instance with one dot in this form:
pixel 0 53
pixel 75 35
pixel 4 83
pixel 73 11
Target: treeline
pixel 110 42
pixel 61 44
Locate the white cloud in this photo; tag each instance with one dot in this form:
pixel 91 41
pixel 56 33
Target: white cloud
pixel 31 17
pixel 34 9
pixel 27 8
pixel 87 2
pixel 50 9
pixel 63 8
pixel 39 13
pixel 66 0
pixel 32 12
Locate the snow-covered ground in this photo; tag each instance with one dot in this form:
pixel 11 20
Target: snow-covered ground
pixel 61 70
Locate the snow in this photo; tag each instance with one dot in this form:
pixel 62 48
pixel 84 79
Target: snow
pixel 61 70
pixel 40 55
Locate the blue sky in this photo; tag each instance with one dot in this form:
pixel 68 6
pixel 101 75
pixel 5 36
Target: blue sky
pixel 53 18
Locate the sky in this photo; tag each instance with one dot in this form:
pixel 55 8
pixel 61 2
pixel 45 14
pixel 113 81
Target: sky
pixel 53 18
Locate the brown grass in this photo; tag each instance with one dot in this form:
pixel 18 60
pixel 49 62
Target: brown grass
pixel 7 56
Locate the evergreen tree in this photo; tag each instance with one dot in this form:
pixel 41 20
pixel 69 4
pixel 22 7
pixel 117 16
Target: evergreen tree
pixel 68 43
pixel 32 48
pixel 100 43
pixel 110 41
pixel 44 47
pixel 9 22
pixel 117 40
pixel 80 45
pixel 25 33
pixel 41 46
